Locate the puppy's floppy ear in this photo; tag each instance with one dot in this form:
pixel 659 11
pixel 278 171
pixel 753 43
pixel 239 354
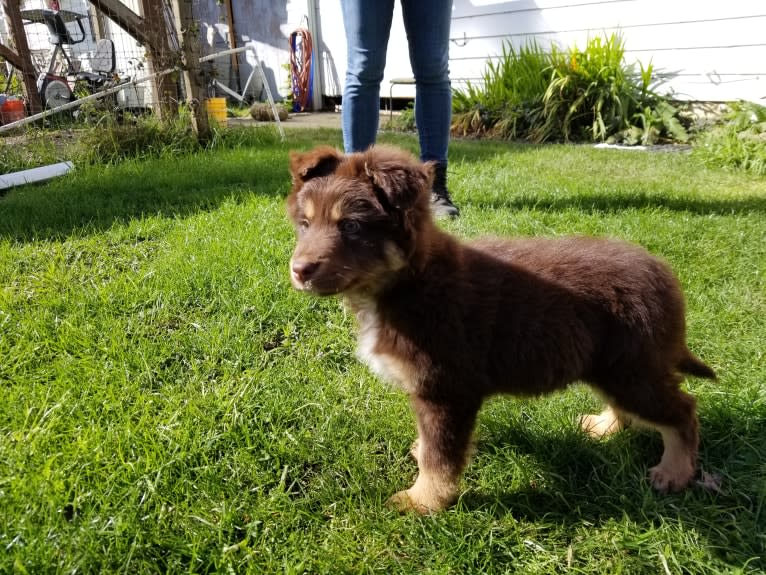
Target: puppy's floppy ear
pixel 318 162
pixel 402 179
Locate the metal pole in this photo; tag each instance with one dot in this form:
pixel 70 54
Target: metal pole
pixel 251 46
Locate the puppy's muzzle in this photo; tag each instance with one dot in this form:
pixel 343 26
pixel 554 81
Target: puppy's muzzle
pixel 302 271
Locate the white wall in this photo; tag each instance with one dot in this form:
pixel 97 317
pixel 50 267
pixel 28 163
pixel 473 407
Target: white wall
pixel 263 23
pixel 704 50
pixel 330 48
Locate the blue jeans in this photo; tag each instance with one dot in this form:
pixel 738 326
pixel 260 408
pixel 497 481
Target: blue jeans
pixel 368 25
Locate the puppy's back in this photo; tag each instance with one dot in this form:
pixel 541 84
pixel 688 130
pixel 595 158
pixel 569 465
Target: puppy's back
pixel 563 308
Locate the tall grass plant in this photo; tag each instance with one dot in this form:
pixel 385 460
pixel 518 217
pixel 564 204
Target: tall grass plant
pixel 571 94
pixel 739 142
pixel 507 103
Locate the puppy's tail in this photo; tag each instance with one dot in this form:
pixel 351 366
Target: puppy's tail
pixel 692 365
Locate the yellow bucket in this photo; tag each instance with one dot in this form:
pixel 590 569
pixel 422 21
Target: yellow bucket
pixel 216 110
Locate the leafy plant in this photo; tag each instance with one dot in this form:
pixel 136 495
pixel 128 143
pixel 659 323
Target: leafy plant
pixel 593 94
pixel 567 95
pixel 653 125
pixel 287 85
pixel 404 121
pixel 508 101
pixel 12 86
pixel 739 143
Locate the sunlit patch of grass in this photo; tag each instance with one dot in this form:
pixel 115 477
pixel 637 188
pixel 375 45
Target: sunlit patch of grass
pixel 170 405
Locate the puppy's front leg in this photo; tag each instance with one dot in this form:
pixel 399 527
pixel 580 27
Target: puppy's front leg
pixel 444 432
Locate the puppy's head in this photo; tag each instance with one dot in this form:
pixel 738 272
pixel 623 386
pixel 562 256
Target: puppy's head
pixel 358 217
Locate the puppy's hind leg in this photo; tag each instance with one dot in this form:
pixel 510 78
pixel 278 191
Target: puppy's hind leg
pixel 661 405
pixel 679 458
pixel 604 424
pixel 441 450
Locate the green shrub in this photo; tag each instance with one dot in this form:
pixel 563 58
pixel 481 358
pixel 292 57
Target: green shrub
pixel 508 101
pixel 567 95
pixel 739 143
pixel 404 121
pixel 593 95
pixel 660 123
pixel 12 86
pixel 110 141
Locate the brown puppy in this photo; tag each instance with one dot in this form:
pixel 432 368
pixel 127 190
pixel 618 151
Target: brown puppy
pixel 452 322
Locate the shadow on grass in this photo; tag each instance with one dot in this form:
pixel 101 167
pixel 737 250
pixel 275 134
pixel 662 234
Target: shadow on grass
pixel 592 482
pixel 95 198
pixel 612 203
pixel 464 150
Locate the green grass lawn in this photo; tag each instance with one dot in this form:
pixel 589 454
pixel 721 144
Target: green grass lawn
pixel 170 405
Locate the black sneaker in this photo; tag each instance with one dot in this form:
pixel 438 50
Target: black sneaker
pixel 441 203
pixel 443 207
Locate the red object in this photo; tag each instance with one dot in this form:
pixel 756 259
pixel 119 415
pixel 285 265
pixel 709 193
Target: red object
pixel 12 110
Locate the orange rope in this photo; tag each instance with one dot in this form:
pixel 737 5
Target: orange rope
pixel 301 49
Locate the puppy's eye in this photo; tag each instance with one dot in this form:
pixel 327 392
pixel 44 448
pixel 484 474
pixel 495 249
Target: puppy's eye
pixel 303 225
pixel 349 227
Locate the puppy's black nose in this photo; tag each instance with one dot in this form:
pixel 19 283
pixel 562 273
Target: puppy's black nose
pixel 304 270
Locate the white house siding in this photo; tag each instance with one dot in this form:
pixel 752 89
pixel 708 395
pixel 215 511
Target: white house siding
pixel 703 50
pixel 331 51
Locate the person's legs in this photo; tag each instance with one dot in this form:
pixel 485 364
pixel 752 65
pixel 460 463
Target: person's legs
pixel 428 27
pixel 367 25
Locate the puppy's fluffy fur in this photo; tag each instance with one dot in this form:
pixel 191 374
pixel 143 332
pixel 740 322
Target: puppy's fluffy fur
pixel 453 323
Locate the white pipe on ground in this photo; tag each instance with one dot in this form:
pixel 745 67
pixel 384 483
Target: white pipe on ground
pixel 35 175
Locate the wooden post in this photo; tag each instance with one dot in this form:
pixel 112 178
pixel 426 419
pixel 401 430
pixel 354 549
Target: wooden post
pixel 152 30
pixel 98 23
pixel 163 56
pixel 232 45
pixel 124 17
pixel 189 33
pixel 29 76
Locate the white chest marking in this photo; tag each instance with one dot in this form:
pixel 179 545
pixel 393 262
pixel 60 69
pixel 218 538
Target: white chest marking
pixel 386 366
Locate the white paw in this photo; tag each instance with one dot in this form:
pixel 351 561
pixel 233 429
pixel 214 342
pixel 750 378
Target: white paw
pixel 670 480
